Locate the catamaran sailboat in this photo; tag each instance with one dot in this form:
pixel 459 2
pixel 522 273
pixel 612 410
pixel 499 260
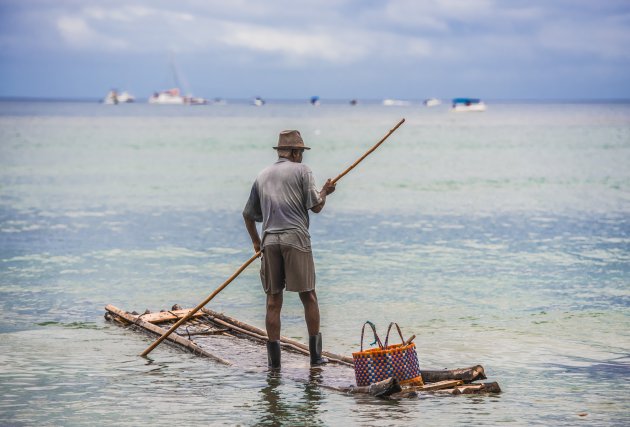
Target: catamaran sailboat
pixel 167 97
pixel 174 96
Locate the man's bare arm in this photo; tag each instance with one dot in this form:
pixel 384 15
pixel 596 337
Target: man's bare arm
pixel 250 224
pixel 327 189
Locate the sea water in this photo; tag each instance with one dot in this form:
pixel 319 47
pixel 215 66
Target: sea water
pixel 499 238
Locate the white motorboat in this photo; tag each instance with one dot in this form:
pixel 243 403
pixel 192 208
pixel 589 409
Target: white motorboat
pixel 125 97
pixel 431 102
pixel 258 101
pixel 395 103
pixel 468 104
pixel 113 97
pixel 193 100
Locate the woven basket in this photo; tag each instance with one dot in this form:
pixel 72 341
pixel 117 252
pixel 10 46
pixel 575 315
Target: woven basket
pixel 385 361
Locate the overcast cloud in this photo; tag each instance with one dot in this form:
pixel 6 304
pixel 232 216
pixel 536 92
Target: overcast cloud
pixel 335 49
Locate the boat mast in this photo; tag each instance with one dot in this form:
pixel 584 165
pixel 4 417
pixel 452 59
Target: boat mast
pixel 177 76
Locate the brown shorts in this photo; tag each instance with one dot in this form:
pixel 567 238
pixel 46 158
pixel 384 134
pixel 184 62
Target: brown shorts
pixel 284 266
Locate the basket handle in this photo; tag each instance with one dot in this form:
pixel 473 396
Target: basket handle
pixel 376 338
pixel 402 340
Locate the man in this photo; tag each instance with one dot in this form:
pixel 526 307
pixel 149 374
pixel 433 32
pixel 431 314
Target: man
pixel 280 198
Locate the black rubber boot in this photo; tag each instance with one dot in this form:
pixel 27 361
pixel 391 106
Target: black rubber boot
pixel 315 348
pixel 273 354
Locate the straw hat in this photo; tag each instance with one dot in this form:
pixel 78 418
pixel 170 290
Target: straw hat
pixel 291 139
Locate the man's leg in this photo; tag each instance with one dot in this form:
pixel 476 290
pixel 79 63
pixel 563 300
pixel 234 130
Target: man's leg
pixel 311 314
pixel 311 311
pixel 272 322
pixel 272 319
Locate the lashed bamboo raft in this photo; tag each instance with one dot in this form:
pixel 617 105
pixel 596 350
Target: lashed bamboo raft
pixel 231 342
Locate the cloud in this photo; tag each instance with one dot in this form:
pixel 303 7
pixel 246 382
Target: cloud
pixel 142 29
pixel 607 38
pixel 132 14
pixel 338 32
pixel 77 33
pixel 244 39
pixel 321 43
pixel 291 44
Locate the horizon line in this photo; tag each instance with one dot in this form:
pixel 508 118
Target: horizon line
pixel 4 98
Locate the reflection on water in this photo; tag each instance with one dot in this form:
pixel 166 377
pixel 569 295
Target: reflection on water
pixel 300 409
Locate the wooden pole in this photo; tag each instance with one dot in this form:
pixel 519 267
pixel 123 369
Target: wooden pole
pixel 201 304
pixel 367 153
pixel 257 254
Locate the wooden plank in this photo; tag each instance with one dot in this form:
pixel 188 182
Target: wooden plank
pixel 165 316
pixel 140 322
pixel 208 332
pixel 469 389
pixel 436 386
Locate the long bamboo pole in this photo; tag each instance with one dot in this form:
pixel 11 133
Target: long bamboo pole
pixel 368 152
pixel 257 254
pixel 201 304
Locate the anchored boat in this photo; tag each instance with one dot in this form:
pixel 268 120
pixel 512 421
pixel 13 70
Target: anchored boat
pixel 468 104
pixel 113 97
pixel 231 342
pixel 431 102
pixel 174 96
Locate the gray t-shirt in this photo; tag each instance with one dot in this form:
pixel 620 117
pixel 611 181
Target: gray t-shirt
pixel 280 198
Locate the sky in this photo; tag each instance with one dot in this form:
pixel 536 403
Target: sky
pixel 336 49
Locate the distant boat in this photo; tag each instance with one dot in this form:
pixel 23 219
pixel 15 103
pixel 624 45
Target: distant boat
pixel 395 103
pixel 113 97
pixel 468 104
pixel 315 100
pixel 353 102
pixel 174 96
pixel 258 101
pixel 431 102
pixel 195 100
pixel 168 97
pixel 219 101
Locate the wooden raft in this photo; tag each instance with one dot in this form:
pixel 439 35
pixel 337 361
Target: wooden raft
pixel 231 342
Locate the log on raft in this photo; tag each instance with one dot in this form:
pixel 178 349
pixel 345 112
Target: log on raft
pixel 467 375
pixel 491 387
pixel 383 388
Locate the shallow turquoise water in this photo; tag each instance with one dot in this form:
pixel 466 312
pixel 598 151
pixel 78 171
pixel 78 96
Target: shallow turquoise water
pixel 500 238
